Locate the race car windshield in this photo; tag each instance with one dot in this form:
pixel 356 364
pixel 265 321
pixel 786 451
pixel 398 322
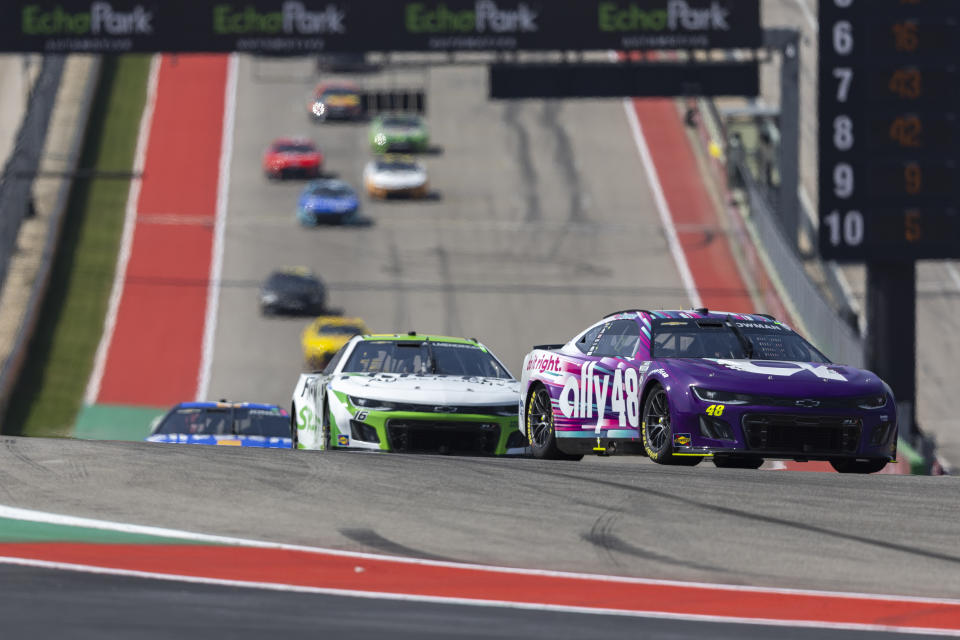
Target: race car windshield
pixel 209 421
pixel 338 92
pixel 339 330
pixel 288 282
pixel 395 165
pixel 270 423
pixel 331 190
pixel 428 357
pixel 720 339
pixel 401 121
pixel 293 148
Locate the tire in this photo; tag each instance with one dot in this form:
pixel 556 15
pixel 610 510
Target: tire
pixel 736 462
pixel 540 431
pixel 657 433
pixel 294 437
pixel 325 427
pixel 848 465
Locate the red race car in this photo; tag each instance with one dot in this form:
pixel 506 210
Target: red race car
pixel 288 157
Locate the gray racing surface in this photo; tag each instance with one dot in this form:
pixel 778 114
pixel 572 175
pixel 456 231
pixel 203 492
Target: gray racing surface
pixel 542 223
pixel 41 603
pixel 622 516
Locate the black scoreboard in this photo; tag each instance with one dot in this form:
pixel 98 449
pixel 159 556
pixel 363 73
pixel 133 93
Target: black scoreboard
pixel 889 101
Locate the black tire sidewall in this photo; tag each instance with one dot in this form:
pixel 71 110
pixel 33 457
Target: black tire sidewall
pixel 667 449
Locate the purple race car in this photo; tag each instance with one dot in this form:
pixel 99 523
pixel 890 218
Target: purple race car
pixel 679 386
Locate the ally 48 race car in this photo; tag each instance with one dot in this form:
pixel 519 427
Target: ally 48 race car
pixel 680 386
pixel 410 393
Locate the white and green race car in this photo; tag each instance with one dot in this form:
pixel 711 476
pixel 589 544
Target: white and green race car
pixel 409 393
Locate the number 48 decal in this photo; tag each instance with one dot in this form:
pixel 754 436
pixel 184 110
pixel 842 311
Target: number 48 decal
pixel 715 410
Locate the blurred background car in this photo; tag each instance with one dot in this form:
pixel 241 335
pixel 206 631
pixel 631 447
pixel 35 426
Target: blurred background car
pixel 292 290
pixel 399 132
pixel 239 424
pixel 336 101
pixel 327 202
pixel 292 157
pixel 324 336
pixel 395 175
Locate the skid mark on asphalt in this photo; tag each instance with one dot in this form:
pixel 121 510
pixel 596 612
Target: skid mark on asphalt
pixel 372 539
pixel 601 535
pixel 675 499
pixel 525 158
pixel 564 157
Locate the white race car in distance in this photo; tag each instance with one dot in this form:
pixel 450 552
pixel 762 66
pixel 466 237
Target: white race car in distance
pixel 396 175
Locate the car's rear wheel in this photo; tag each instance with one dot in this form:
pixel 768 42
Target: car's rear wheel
pixel 540 430
pixel 657 431
pixel 849 465
pixel 736 462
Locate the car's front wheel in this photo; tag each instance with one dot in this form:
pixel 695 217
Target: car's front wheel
pixel 540 429
pixel 849 465
pixel 657 431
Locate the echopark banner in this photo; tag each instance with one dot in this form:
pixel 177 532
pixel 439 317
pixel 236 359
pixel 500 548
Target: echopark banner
pixel 304 26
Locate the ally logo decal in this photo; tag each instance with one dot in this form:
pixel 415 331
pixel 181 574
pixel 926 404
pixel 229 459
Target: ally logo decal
pixel 623 388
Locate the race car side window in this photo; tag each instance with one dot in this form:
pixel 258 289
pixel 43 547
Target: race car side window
pixel 585 343
pixel 619 339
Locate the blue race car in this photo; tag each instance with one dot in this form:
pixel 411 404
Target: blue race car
pixel 240 424
pixel 328 202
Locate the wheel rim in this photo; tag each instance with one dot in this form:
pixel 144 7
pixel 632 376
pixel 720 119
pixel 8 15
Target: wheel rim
pixel 540 418
pixel 657 420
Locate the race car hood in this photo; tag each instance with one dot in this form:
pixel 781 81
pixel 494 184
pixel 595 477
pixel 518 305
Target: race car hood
pixel 398 180
pixel 403 132
pixel 774 377
pixel 428 389
pixel 226 440
pixel 322 203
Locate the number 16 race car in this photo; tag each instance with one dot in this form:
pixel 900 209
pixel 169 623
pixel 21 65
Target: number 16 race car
pixel 679 386
pixel 409 393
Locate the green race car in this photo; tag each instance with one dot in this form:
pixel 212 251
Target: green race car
pixel 409 393
pixel 400 132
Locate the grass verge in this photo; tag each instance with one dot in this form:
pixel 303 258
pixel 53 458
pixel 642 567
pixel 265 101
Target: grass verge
pixel 49 392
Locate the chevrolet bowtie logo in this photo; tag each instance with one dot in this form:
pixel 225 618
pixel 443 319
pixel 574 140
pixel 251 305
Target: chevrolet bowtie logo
pixel 807 403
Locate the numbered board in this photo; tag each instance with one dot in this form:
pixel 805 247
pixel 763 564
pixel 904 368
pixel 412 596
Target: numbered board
pixel 889 143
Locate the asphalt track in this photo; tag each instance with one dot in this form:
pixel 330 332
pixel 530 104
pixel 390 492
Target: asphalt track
pixel 113 606
pixel 544 222
pixel 619 516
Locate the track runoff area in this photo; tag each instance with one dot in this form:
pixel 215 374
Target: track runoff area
pixel 167 214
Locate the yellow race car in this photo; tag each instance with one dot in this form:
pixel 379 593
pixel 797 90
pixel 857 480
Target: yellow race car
pixel 325 335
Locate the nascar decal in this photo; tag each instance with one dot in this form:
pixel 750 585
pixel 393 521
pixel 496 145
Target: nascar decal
pixel 579 395
pixel 785 370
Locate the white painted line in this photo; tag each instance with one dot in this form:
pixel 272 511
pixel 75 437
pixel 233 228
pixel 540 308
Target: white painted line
pixel 808 14
pixel 126 238
pixel 506 604
pixel 666 217
pixel 216 259
pixel 953 273
pixel 30 515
